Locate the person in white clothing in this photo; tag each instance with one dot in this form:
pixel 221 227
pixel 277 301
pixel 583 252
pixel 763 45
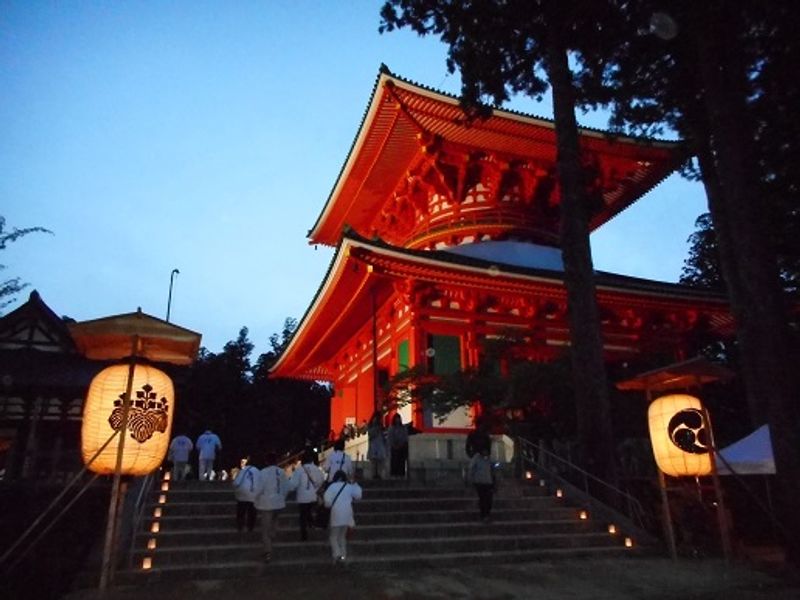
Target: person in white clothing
pixel 307 480
pixel 339 498
pixel 338 460
pixel 271 491
pixel 208 444
pixel 244 489
pixel 179 450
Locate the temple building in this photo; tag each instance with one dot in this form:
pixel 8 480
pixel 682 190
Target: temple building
pixel 446 234
pixel 44 381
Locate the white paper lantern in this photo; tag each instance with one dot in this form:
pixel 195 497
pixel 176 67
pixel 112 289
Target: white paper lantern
pixel 147 434
pixel 680 435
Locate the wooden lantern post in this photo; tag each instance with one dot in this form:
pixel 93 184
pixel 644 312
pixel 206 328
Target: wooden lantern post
pixel 116 497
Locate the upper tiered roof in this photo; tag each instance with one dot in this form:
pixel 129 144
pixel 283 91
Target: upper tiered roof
pixel 421 174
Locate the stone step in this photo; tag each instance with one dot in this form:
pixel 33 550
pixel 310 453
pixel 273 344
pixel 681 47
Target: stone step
pixel 400 524
pixel 219 486
pixel 222 495
pixel 322 564
pixel 229 535
pixel 366 505
pixel 318 548
pixel 288 517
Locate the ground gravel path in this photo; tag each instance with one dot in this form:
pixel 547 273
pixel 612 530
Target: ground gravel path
pixel 635 578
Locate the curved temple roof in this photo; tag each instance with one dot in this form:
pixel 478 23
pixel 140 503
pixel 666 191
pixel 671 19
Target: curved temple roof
pixel 361 268
pixel 413 137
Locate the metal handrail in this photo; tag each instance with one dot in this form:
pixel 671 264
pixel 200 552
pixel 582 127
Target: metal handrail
pixel 138 512
pixel 291 459
pixel 16 558
pixel 534 453
pixel 46 512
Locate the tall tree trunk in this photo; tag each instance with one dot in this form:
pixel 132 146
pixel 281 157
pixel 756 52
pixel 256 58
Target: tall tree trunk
pixel 588 369
pixel 726 246
pixel 747 258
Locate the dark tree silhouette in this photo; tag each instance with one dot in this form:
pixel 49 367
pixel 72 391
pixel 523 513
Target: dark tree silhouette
pixel 300 410
pixel 9 288
pixel 725 80
pixel 251 412
pixel 701 268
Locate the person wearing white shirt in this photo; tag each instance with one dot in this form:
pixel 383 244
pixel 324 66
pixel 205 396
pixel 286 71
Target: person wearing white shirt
pixel 208 444
pixel 179 450
pixel 271 491
pixel 244 489
pixel 307 480
pixel 339 498
pixel 338 460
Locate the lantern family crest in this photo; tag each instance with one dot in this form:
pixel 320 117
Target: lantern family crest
pixel 149 414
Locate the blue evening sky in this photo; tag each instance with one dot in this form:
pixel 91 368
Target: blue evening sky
pixel 206 136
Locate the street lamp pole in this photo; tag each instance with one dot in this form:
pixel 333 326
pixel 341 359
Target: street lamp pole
pixel 169 298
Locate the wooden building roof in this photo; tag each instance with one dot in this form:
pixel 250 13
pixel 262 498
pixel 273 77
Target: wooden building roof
pixel 34 326
pixel 415 143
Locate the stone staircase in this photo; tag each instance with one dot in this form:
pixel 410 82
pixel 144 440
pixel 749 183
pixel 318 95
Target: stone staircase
pixel 399 523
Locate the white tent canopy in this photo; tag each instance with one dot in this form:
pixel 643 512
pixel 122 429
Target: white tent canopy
pixel 751 455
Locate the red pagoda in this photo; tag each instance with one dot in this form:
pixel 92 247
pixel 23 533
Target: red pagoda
pixel 446 233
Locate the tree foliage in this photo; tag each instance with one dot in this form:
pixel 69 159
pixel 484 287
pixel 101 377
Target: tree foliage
pixel 9 288
pixel 251 412
pixel 531 398
pixel 701 268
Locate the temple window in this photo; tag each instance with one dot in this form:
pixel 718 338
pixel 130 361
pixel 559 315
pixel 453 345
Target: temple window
pixel 444 354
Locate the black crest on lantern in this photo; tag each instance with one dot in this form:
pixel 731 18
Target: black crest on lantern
pixel 147 414
pixel 687 430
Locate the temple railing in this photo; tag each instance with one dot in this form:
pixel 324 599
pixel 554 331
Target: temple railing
pixel 601 497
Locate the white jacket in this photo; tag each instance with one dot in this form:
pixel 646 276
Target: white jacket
pixel 337 461
pixel 271 489
pixel 245 484
pixel 306 479
pixel 342 508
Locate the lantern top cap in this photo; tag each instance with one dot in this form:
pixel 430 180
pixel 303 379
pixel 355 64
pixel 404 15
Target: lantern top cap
pixel 113 337
pixel 690 373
